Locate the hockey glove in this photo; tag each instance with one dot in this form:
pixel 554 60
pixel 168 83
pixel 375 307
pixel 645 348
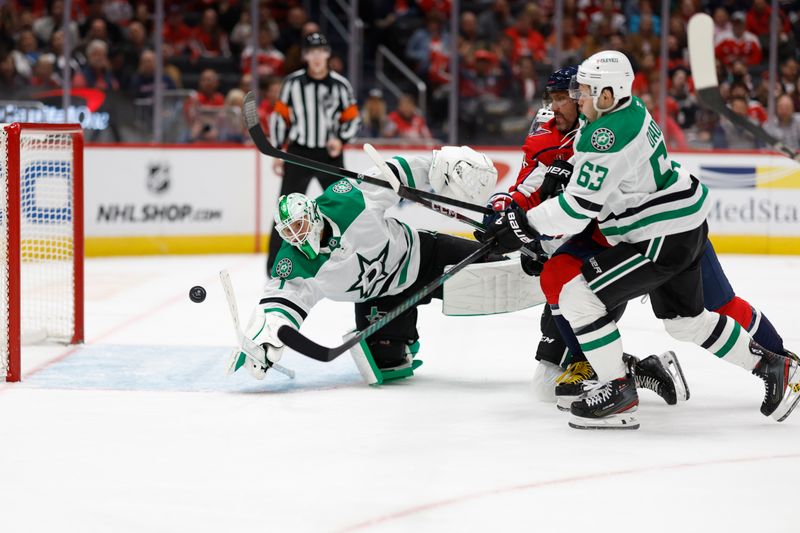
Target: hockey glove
pixel 498 203
pixel 511 230
pixel 261 346
pixel 555 179
pixel 532 265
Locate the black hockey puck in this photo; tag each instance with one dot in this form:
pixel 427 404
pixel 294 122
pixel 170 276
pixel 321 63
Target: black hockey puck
pixel 197 294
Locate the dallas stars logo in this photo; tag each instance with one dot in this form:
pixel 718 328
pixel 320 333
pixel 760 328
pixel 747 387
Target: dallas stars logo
pixel 373 271
pixel 603 139
pixel 284 267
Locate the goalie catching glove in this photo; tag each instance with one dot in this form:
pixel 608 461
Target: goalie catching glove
pixel 511 230
pixel 462 173
pixel 261 347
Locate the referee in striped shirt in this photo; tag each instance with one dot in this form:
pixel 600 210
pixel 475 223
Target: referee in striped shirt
pixel 314 116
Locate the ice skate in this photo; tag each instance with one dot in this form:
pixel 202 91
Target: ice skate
pixel 607 405
pixel 569 385
pixel 662 374
pixel 781 376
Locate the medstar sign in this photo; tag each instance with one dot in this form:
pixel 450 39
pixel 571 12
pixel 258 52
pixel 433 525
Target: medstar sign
pixel 373 271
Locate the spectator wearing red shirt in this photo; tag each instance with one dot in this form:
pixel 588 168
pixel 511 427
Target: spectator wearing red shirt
pixel 97 72
pixel 176 34
pixel 738 44
pixel 755 110
pixel 758 20
pixel 209 39
pixel 527 41
pixel 406 122
pixel 44 76
pixel 269 60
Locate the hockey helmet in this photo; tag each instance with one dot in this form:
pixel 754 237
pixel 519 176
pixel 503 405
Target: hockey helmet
pixel 560 79
pixel 608 69
pixel 298 222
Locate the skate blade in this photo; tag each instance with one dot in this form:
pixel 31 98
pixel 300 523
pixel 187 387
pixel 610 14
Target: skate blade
pixel 791 397
pixel 673 366
pixel 622 421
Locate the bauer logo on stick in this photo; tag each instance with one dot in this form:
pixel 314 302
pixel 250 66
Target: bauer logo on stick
pixel 603 139
pixel 284 267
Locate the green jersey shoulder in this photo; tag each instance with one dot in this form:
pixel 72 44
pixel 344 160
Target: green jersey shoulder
pixel 340 205
pixel 614 131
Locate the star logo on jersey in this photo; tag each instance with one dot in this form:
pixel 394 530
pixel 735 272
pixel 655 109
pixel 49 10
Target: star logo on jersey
pixel 373 271
pixel 602 139
pixel 284 268
pixel 341 187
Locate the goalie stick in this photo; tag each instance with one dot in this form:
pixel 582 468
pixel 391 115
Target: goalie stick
pixel 704 73
pixel 416 195
pixel 302 344
pixel 246 345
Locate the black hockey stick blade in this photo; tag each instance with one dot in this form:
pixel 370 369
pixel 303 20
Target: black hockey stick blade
pixel 302 344
pixel 704 74
pixel 264 146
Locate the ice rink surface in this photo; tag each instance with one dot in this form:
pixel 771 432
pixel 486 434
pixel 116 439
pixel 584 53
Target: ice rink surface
pixel 140 429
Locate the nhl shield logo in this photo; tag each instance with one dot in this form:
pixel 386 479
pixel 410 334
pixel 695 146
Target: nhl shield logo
pixel 158 177
pixel 603 139
pixel 342 187
pixel 284 268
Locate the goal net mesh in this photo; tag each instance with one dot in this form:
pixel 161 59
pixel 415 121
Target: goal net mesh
pixel 45 211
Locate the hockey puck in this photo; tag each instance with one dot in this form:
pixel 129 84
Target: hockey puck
pixel 197 294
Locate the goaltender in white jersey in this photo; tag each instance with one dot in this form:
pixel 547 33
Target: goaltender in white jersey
pixel 342 246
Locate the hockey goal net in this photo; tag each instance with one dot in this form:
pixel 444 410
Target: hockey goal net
pixel 41 238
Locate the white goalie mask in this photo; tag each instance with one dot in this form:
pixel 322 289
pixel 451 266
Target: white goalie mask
pixel 298 222
pixel 544 114
pixel 462 173
pixel 604 69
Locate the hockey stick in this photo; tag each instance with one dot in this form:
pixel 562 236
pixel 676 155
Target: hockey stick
pixel 299 342
pixel 246 345
pixel 704 73
pixel 416 195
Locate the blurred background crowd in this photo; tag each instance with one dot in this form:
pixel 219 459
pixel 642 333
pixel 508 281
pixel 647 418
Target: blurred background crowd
pixel 505 49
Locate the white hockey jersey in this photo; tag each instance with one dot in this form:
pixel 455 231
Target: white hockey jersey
pixel 624 178
pixel 364 254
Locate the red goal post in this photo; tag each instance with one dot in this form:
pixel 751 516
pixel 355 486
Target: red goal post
pixel 41 238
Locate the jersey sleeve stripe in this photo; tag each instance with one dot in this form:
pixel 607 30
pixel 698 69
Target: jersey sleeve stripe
pixel 410 242
pixel 286 303
pixel 562 202
pixel 285 313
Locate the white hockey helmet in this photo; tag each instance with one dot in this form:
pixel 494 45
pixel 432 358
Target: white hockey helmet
pixel 462 173
pixel 299 223
pixel 608 69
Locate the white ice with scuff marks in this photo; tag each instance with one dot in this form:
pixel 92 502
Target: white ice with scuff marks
pixel 140 430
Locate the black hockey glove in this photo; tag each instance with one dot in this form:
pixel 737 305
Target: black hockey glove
pixel 533 264
pixel 555 179
pixel 498 203
pixel 511 230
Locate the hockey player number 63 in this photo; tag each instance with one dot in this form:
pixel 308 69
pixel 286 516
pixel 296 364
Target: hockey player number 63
pixel 591 176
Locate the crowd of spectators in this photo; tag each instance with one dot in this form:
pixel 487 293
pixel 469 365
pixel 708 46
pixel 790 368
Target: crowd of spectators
pixel 506 50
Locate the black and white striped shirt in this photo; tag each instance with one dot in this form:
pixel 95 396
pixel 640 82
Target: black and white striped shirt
pixel 309 112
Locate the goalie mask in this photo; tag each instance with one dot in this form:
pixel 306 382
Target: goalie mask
pixel 462 173
pixel 299 223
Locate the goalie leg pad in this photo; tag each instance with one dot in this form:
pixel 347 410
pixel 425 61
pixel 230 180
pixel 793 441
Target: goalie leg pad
pixel 490 288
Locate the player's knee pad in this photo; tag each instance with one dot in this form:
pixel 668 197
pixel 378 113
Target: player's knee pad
pixel 739 310
pixel 694 329
pixel 579 305
pixel 557 271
